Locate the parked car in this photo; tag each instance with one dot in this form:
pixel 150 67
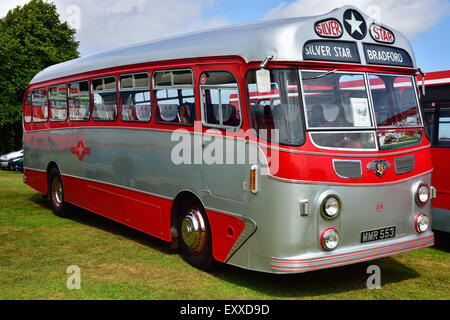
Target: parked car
pixel 16 164
pixel 4 160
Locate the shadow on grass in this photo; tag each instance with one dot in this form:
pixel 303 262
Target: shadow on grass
pixel 442 241
pixel 91 219
pixel 99 222
pixel 40 200
pixel 322 282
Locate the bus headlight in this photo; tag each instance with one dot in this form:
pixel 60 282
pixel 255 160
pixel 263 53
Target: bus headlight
pixel 331 207
pixel 422 223
pixel 422 194
pixel 329 239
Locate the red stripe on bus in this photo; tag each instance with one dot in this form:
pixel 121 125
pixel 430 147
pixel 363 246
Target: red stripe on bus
pixel 353 253
pixel 341 263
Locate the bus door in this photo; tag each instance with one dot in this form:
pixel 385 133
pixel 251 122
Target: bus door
pixel 223 168
pixel 437 119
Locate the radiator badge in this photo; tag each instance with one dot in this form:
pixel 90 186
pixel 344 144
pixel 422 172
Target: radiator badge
pixel 379 166
pixel 80 150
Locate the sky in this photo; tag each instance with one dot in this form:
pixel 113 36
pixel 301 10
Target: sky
pixel 107 24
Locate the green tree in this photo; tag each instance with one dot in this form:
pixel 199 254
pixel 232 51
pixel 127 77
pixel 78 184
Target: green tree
pixel 32 38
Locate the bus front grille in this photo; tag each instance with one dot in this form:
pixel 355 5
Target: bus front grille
pixel 404 164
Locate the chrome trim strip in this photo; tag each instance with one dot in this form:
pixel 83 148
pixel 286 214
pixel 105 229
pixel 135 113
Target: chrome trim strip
pixel 260 144
pixel 327 261
pixel 351 184
pixel 311 133
pixel 38 170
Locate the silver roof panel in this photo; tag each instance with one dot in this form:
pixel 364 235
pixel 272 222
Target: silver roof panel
pixel 283 39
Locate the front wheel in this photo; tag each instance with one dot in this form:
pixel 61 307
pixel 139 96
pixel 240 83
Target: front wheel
pixel 195 237
pixel 56 194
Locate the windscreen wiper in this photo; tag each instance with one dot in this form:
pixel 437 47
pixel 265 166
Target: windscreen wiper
pixel 321 75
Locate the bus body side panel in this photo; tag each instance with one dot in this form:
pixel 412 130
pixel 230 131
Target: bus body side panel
pixel 441 174
pixel 128 176
pixel 123 174
pixel 138 210
pixel 441 205
pixel 36 180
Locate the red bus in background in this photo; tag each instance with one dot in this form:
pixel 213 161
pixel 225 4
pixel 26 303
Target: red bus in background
pixel 436 109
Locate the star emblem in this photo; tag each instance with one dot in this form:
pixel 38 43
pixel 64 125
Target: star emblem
pixel 355 24
pixel 80 150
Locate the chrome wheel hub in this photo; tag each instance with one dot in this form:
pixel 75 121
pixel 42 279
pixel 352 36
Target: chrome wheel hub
pixel 193 231
pixel 57 192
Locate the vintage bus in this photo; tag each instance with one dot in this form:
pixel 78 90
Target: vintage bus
pixel 281 146
pixel 436 107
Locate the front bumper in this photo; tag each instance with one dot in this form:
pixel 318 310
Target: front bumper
pixel 344 257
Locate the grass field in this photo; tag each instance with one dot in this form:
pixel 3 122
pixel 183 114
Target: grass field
pixel 116 262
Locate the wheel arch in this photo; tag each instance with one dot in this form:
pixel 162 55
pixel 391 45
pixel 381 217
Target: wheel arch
pixel 52 164
pixel 180 201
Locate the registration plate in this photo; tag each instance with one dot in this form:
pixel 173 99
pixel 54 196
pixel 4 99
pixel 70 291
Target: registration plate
pixel 380 234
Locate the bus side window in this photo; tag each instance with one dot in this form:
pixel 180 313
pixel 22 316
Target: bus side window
pixel 105 99
pixel 220 100
pixel 135 97
pixel 40 105
pixel 58 103
pixel 27 116
pixel 79 107
pixel 443 137
pixel 175 97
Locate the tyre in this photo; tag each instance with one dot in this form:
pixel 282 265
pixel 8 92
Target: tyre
pixel 56 193
pixel 194 239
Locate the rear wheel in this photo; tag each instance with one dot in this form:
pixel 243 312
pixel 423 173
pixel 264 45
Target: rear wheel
pixel 195 237
pixel 56 193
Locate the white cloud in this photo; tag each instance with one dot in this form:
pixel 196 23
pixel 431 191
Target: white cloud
pixel 411 17
pixel 6 5
pixel 106 24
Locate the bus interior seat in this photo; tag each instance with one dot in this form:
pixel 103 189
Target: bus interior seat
pixel 258 116
pixel 268 117
pixel 212 113
pixel 280 123
pixel 407 100
pixel 316 116
pixel 132 113
pixel 192 110
pixel 229 115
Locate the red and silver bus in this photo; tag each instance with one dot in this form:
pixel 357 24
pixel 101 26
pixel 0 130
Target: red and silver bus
pixel 436 108
pixel 281 146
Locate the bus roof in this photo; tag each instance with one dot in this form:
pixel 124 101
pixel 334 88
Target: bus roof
pixel 283 39
pixel 435 78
